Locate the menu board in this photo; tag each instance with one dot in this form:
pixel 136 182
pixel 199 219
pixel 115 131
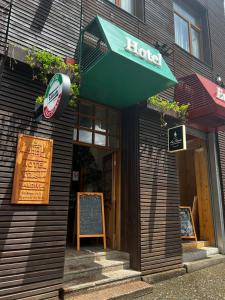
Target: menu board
pixel 91 214
pixel 32 174
pixel 187 224
pixel 90 217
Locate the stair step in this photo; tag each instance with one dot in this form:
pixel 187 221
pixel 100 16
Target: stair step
pixel 98 267
pixel 198 254
pixel 99 281
pixel 87 257
pixel 186 246
pixel 130 290
pixel 204 263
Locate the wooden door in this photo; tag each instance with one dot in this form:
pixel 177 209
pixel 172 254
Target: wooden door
pixel 111 189
pixel 203 195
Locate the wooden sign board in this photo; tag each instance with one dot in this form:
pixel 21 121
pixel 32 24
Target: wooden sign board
pixel 90 217
pixel 187 224
pixel 32 174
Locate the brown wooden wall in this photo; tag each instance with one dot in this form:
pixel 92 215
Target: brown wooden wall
pixel 159 198
pixel 221 157
pixel 32 238
pixel 52 25
pixel 130 212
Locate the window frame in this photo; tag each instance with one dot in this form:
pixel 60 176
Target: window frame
pixel 107 134
pixel 190 27
pixel 139 8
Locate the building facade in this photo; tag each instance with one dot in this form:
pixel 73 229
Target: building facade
pixel 127 142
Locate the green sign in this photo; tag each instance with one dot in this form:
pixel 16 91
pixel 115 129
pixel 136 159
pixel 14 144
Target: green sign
pixel 56 96
pixel 118 69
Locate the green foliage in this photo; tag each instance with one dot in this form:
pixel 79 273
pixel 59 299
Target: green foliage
pixel 164 106
pixel 45 64
pixel 40 100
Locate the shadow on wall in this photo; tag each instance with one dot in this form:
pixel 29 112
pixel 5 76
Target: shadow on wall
pixel 41 15
pixel 31 241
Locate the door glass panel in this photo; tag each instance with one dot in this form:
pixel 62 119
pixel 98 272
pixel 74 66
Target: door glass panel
pixel 85 136
pixel 100 139
pixel 86 122
pixel 100 125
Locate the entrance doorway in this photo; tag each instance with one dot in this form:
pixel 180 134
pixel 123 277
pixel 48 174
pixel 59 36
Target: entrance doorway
pixel 193 172
pixel 96 168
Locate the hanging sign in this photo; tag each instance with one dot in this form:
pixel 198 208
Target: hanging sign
pixel 32 174
pixel 56 96
pixel 177 139
pixel 220 93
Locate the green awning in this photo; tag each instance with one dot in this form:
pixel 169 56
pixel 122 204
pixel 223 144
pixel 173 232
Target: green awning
pixel 118 69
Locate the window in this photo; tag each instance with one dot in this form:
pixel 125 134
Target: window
pixel 97 125
pixel 134 7
pixel 127 5
pixel 188 26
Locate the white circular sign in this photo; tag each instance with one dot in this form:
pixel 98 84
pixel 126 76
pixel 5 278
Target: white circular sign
pixel 56 95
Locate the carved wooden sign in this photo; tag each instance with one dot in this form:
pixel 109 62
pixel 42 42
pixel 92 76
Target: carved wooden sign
pixel 32 174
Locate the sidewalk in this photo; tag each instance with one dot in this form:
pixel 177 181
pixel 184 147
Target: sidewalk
pixel 200 285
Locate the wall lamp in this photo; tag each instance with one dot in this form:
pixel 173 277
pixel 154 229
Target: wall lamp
pixel 164 49
pixel 219 81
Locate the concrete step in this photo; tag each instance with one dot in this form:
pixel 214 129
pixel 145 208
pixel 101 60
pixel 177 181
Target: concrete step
pixel 89 256
pixel 186 246
pixel 198 254
pixel 98 282
pixel 122 291
pixel 204 263
pixel 72 271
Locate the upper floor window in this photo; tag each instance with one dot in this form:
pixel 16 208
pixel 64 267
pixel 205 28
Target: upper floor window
pixel 134 7
pixel 188 24
pixel 127 5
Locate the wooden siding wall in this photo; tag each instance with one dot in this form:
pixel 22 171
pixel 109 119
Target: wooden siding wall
pixel 52 25
pixel 32 238
pixel 221 152
pixel 159 199
pixel 130 217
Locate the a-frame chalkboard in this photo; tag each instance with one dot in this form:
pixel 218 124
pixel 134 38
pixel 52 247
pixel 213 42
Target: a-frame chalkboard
pixel 90 217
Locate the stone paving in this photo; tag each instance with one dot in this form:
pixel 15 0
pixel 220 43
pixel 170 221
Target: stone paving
pixel 203 284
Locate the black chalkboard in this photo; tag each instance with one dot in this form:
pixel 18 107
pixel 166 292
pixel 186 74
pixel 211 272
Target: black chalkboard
pixel 90 214
pixel 90 217
pixel 187 225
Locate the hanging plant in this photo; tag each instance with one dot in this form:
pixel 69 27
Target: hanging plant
pixel 45 64
pixel 164 106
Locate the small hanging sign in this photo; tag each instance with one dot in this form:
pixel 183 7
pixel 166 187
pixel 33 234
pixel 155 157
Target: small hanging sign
pixel 56 96
pixel 177 139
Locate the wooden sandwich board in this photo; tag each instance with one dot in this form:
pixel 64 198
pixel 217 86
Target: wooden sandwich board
pixel 90 217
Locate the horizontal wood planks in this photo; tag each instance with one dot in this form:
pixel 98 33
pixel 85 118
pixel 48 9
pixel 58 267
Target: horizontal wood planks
pixel 52 25
pixel 221 157
pixel 159 199
pixel 32 238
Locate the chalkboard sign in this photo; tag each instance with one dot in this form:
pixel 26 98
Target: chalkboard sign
pixel 187 224
pixel 90 216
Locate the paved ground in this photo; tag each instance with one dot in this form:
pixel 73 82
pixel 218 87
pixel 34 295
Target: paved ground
pixel 204 284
